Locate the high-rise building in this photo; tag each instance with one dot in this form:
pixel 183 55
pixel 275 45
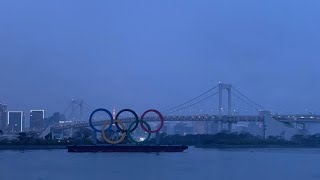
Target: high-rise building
pixel 199 127
pixel 54 119
pixel 164 129
pixel 15 121
pixel 3 117
pixel 212 127
pixel 36 120
pixel 182 128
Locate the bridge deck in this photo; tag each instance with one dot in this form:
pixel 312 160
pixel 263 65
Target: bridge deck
pixel 232 119
pixel 297 118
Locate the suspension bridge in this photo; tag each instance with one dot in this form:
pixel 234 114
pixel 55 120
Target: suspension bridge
pixel 242 109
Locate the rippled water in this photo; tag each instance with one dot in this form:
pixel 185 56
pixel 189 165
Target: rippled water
pixel 195 163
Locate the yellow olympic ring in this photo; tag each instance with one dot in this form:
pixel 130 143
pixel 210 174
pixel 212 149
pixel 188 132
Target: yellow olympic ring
pixel 124 134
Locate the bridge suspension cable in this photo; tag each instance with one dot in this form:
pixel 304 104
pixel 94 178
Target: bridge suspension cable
pixel 65 111
pixel 89 106
pixel 74 110
pixel 193 99
pixel 245 101
pixel 193 103
pixel 256 104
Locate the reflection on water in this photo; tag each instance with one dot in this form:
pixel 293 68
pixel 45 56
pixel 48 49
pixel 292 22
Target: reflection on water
pixel 247 164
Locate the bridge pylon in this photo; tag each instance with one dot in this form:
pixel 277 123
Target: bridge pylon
pixel 76 104
pixel 227 87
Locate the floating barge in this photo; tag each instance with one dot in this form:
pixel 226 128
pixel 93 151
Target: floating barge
pixel 125 148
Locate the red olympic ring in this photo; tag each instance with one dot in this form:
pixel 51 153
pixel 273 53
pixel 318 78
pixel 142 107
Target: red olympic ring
pixel 161 119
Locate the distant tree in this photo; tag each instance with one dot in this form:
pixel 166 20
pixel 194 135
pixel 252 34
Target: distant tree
pixel 82 134
pixel 22 137
pixel 298 138
pixel 28 138
pixel 33 135
pixel 48 136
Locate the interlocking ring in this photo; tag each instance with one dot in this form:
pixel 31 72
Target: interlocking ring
pixel 100 110
pixel 135 116
pixel 142 141
pixel 117 141
pixel 122 128
pixel 161 119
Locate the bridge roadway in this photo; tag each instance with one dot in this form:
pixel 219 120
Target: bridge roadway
pixel 299 118
pixel 226 119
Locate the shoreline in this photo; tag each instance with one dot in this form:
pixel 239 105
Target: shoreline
pixel 32 147
pixel 258 146
pixel 209 146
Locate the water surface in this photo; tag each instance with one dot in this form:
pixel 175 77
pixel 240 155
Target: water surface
pixel 246 164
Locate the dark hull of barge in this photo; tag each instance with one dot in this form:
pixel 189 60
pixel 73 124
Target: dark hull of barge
pixel 126 148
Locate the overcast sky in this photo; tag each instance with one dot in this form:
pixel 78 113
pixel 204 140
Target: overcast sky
pixel 142 54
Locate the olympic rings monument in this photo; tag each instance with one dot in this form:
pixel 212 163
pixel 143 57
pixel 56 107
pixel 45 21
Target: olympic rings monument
pixel 131 144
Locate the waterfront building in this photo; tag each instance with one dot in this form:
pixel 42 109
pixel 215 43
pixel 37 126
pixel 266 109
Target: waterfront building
pixel 199 127
pixel 164 129
pixel 3 117
pixel 37 120
pixel 212 127
pixel 182 128
pixel 56 118
pixel 15 121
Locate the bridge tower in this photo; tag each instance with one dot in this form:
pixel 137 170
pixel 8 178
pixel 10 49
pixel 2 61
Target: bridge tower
pixel 222 87
pixel 75 104
pixel 227 87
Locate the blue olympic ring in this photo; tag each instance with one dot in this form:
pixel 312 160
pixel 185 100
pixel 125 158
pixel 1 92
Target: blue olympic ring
pixel 98 110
